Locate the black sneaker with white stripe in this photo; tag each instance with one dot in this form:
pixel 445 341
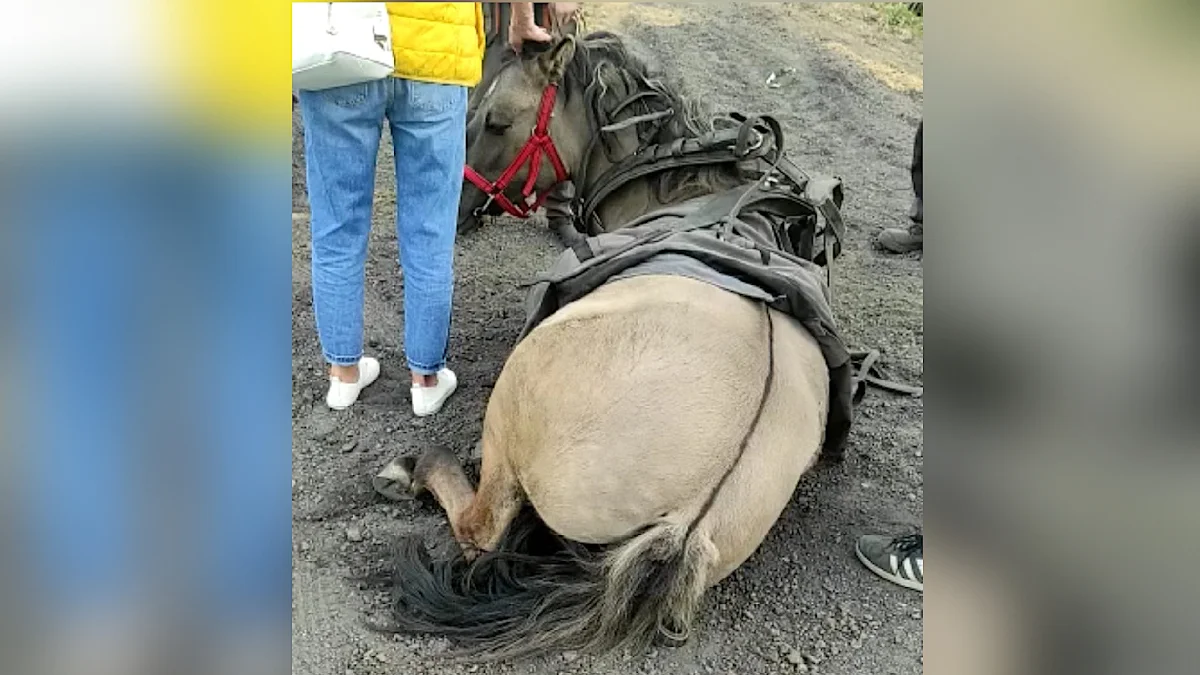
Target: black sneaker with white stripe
pixel 900 560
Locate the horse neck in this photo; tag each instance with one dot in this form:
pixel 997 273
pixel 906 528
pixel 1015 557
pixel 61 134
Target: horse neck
pixel 642 195
pixel 630 200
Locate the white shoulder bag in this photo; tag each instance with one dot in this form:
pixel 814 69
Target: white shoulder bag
pixel 335 44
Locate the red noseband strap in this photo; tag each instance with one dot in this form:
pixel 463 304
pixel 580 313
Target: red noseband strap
pixel 538 145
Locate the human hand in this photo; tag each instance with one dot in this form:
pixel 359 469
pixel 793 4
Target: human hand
pixel 565 10
pixel 521 31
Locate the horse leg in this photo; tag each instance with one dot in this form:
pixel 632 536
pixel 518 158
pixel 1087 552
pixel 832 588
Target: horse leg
pixel 439 472
pixel 478 520
pixel 568 236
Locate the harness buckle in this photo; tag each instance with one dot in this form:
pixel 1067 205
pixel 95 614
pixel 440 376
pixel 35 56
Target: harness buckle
pixel 480 211
pixel 759 139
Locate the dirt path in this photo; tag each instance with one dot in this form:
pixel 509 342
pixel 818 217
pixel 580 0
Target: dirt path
pixel 850 108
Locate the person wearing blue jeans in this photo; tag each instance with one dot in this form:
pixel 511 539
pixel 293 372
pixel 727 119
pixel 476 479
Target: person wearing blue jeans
pixel 438 50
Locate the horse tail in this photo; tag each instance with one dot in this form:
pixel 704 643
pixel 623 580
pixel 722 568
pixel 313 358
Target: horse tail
pixel 653 585
pixel 538 593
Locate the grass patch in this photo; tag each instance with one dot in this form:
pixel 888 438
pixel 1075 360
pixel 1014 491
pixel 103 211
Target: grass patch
pixel 902 17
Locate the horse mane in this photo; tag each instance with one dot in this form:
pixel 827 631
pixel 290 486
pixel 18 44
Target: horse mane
pixel 607 74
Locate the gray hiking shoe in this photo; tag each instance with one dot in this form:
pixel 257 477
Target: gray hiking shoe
pixel 897 240
pixel 900 560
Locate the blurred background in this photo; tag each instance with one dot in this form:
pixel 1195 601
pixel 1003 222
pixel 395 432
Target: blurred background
pixel 144 296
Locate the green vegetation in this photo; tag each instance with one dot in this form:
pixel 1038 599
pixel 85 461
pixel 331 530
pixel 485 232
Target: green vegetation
pixel 902 16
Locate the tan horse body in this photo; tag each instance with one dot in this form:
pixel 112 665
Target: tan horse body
pixel 624 409
pixel 661 417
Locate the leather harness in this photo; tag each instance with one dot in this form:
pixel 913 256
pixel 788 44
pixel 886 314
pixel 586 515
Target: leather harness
pixel 744 143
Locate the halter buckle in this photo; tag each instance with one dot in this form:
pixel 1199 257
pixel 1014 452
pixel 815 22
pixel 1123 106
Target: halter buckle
pixel 479 212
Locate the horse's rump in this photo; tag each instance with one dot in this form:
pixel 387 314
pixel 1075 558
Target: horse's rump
pixel 622 409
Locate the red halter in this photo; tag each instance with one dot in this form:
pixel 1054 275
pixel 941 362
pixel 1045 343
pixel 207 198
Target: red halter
pixel 531 153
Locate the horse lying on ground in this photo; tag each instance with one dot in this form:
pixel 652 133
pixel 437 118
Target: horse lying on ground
pixel 674 380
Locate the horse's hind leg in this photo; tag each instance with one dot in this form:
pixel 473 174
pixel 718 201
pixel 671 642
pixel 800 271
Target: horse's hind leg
pixel 477 519
pixel 439 472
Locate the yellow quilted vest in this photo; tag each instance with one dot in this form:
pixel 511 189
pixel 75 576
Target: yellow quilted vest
pixel 439 42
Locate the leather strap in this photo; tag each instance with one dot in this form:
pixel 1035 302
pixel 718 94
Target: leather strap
pixel 868 373
pixel 726 146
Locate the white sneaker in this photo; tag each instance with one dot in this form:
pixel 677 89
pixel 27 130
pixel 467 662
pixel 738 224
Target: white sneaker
pixel 428 400
pixel 342 394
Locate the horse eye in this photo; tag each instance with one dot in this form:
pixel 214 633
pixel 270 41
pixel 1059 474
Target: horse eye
pixel 495 126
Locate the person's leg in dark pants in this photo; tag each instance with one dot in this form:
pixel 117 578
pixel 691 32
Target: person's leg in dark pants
pixel 559 214
pixel 899 240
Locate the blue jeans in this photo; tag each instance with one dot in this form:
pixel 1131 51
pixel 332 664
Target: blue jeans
pixel 342 129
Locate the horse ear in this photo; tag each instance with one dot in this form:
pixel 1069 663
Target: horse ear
pixel 553 62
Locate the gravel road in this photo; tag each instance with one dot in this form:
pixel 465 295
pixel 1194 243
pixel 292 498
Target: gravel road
pixel 849 98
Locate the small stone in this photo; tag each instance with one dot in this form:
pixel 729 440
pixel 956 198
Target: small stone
pixel 347 447
pixel 916 614
pixel 570 656
pixel 812 659
pixel 305 546
pixel 912 496
pixel 920 453
pixel 795 658
pixel 775 632
pixel 354 533
pixel 856 644
pixel 388 430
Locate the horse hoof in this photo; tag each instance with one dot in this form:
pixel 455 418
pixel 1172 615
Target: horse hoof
pixel 469 552
pixel 431 460
pixel 672 639
pixel 395 481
